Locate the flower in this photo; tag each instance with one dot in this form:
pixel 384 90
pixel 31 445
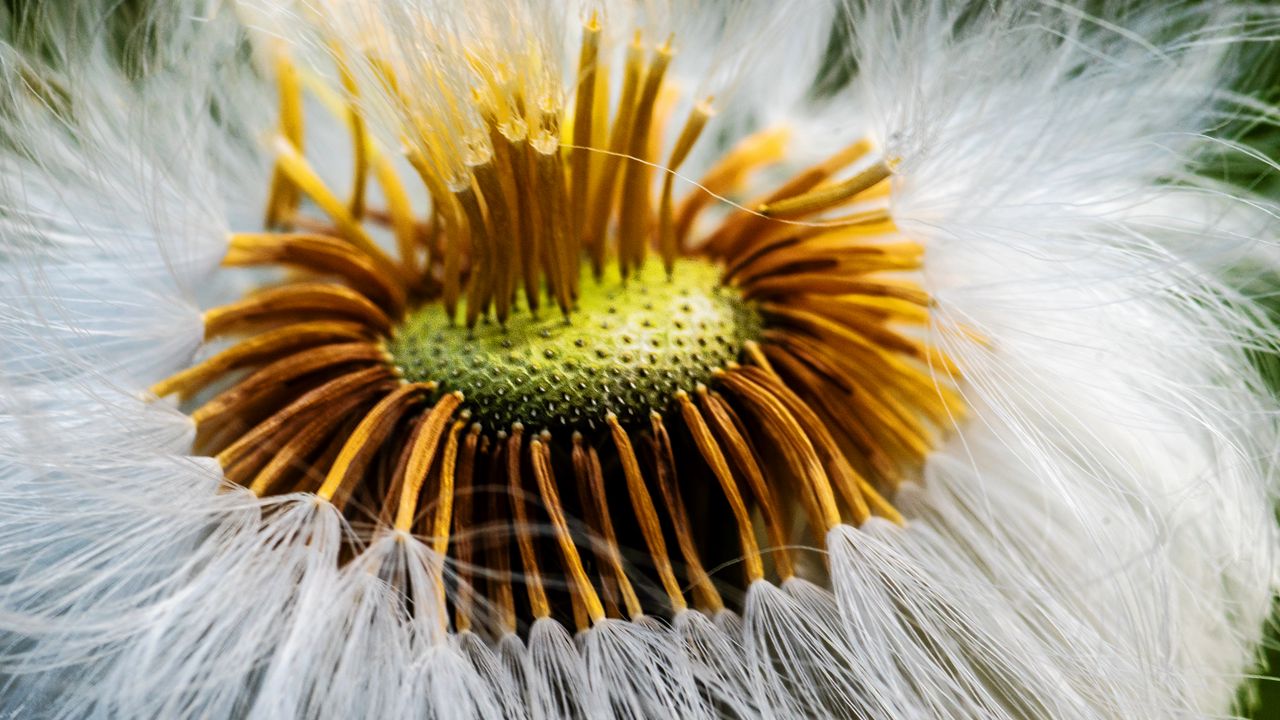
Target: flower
pixel 628 359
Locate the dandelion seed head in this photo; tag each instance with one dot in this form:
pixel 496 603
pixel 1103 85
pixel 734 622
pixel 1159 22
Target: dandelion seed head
pixel 630 359
pixel 558 319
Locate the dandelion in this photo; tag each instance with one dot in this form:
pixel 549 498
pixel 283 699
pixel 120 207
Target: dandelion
pixel 484 359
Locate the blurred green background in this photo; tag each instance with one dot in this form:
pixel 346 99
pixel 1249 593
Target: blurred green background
pixel 1259 78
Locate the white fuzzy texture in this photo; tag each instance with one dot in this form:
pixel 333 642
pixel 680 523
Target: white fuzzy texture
pixel 1096 540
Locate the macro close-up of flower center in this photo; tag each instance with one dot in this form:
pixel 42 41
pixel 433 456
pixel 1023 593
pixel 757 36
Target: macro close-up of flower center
pixel 471 359
pixel 566 376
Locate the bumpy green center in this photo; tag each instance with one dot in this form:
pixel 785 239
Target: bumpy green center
pixel 627 348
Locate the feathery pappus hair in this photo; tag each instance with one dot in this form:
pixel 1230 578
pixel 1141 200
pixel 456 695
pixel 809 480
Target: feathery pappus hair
pixel 431 358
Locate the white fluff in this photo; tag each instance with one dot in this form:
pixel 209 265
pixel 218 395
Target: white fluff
pixel 642 671
pixel 714 649
pixel 1097 540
